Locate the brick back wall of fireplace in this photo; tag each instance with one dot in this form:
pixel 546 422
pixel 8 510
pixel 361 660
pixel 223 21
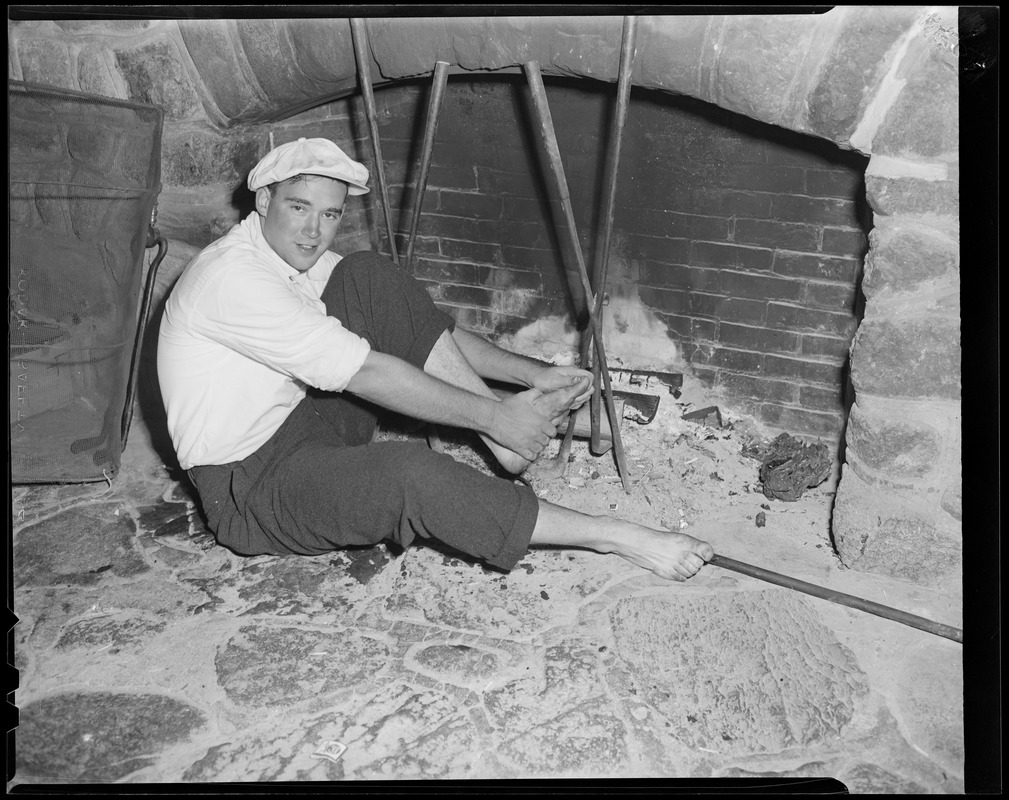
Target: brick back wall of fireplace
pixel 744 241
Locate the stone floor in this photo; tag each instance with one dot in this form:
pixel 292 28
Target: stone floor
pixel 148 654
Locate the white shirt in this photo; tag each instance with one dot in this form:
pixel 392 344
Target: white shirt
pixel 243 334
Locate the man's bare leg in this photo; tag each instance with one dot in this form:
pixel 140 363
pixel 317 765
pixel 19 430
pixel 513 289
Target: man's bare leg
pixel 674 556
pixel 447 362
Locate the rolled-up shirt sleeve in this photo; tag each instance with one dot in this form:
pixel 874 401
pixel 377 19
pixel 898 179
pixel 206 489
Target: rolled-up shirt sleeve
pixel 255 314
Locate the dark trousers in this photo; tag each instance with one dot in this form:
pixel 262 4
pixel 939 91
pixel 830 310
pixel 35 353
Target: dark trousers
pixel 320 483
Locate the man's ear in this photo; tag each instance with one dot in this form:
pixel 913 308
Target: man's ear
pixel 262 200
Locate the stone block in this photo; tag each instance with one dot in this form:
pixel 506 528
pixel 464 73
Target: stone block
pixel 888 196
pixel 759 60
pixel 124 630
pixel 923 121
pixel 903 255
pixel 30 143
pixel 901 448
pixel 952 500
pixel 232 94
pixel 95 74
pixel 262 666
pixel 139 158
pixel 92 145
pixel 785 681
pixel 470 42
pixel 875 531
pixel 105 27
pixel 873 779
pixel 198 158
pixel 95 737
pixel 78 548
pixel 910 357
pixel 589 739
pixel 670 50
pixel 850 74
pixel 46 62
pixel 197 218
pixel 323 51
pixel 154 74
pixel 271 55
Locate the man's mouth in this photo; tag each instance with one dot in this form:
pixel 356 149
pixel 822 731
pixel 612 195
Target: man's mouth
pixel 307 248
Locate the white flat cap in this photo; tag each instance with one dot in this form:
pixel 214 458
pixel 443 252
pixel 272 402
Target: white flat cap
pixel 309 157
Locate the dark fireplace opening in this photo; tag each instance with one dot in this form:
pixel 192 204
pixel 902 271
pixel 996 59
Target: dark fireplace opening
pixel 737 245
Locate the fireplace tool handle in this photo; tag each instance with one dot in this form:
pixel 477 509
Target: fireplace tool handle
pixel 154 237
pixel 541 109
pixel 610 197
pixel 903 617
pixel 359 35
pixel 430 129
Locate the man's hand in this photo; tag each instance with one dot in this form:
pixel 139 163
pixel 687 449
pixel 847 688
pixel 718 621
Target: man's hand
pixel 550 378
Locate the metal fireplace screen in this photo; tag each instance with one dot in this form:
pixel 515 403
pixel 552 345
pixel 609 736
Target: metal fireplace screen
pixel 84 178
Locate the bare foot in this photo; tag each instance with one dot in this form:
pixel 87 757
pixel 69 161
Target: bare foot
pixel 552 405
pixel 508 459
pixel 674 556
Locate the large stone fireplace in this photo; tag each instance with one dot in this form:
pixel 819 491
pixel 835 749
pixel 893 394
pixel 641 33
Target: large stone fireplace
pixel 788 216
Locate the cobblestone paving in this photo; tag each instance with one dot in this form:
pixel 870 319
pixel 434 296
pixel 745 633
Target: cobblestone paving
pixel 147 653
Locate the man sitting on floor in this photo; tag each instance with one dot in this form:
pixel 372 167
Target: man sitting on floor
pixel 277 357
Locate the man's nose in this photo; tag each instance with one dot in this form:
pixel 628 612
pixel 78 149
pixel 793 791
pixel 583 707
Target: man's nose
pixel 311 227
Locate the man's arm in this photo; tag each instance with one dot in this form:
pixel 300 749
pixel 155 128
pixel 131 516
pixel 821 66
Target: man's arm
pixel 490 361
pixel 398 386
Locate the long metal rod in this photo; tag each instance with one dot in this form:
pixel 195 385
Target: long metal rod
pixel 359 34
pixel 433 112
pixel 610 197
pixel 840 598
pixel 154 237
pixel 542 108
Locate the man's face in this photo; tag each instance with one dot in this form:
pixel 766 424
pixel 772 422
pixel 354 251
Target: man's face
pixel 301 218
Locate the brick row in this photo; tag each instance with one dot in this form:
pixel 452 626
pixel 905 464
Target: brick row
pixel 824 426
pixel 728 309
pixel 469 204
pixel 811 265
pixel 796 318
pixel 771 233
